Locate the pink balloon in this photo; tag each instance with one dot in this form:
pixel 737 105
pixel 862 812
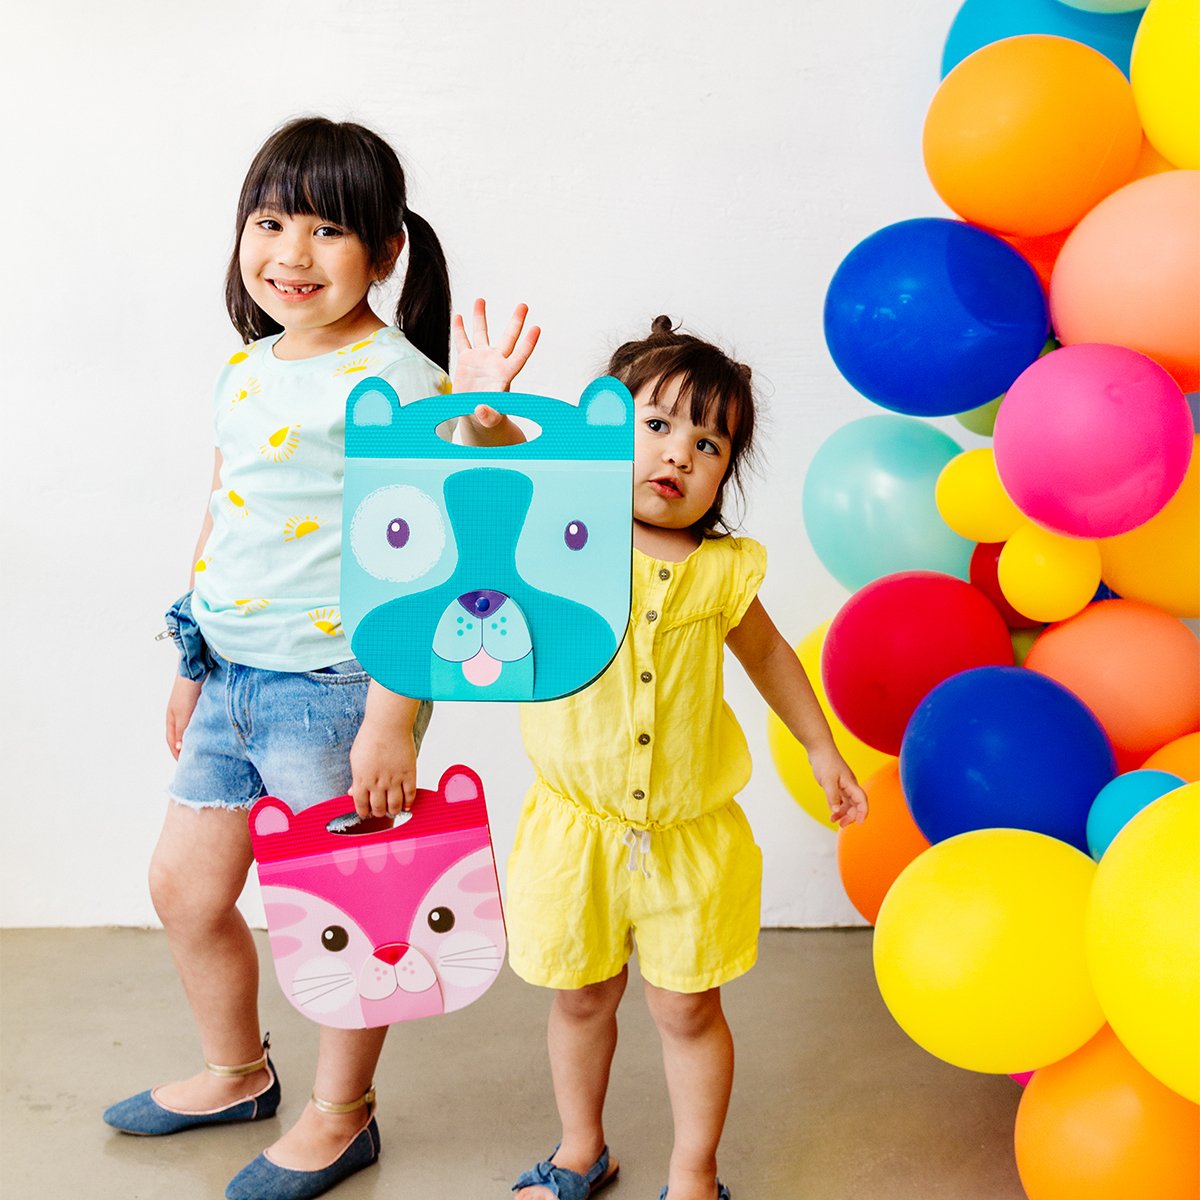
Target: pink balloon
pixel 1092 440
pixel 1022 1077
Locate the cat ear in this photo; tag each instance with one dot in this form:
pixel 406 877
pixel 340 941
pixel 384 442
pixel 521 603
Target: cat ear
pixel 270 817
pixel 460 783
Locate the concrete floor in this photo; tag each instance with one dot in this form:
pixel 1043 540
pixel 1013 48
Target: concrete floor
pixel 831 1100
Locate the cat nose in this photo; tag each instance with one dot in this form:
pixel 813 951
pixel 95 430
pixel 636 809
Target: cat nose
pixel 392 953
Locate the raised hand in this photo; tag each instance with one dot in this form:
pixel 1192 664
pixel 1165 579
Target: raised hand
pixel 482 367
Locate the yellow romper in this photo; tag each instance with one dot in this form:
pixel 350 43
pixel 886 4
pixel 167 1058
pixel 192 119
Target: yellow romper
pixel 630 831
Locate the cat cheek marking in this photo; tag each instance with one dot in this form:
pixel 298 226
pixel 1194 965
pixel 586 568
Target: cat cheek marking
pixel 284 945
pixel 488 910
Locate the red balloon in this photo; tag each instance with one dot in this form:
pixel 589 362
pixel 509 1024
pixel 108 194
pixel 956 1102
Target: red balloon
pixel 896 639
pixel 984 576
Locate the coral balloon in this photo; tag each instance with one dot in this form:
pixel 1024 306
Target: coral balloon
pixel 897 638
pixel 1159 562
pixel 1046 576
pixel 1180 757
pixel 1003 747
pixel 1165 71
pixel 1091 441
pixel 1096 1126
pixel 984 574
pixel 981 22
pixel 872 855
pixel 930 317
pixel 979 951
pixel 790 757
pixel 869 501
pixel 1027 134
pixel 1135 667
pixel 972 500
pixel 1119 801
pixel 1129 274
pixel 1143 927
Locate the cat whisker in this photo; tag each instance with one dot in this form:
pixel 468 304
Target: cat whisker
pixel 317 980
pixel 302 1001
pixel 317 990
pixel 487 969
pixel 470 956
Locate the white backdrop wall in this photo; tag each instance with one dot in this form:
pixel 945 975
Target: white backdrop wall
pixel 603 161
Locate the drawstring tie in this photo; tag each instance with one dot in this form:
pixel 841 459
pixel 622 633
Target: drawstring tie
pixel 638 841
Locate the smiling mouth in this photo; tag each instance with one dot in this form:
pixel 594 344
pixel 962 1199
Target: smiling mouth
pixel 295 289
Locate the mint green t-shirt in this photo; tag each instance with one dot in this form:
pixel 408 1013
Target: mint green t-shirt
pixel 267 589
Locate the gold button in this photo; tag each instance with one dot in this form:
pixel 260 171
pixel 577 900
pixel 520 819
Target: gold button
pixel 652 615
pixel 664 573
pixel 638 794
pixel 643 739
pixel 646 677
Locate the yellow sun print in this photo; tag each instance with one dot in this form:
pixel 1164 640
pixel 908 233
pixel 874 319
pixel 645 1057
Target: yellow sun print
pixel 326 620
pixel 444 386
pixel 237 357
pixel 253 605
pixel 236 503
pixel 249 387
pixel 298 527
pixel 281 444
pixel 201 565
pixel 354 349
pixel 355 367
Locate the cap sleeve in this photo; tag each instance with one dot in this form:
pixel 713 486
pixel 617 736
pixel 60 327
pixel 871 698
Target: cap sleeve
pixel 414 377
pixel 748 567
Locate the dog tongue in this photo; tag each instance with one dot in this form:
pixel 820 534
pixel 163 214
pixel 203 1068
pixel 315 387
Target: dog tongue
pixel 482 670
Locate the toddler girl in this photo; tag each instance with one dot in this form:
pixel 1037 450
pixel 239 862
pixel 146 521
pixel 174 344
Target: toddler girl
pixel 631 833
pixel 284 708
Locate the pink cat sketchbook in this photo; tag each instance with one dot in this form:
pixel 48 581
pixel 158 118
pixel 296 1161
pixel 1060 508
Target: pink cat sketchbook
pixel 368 929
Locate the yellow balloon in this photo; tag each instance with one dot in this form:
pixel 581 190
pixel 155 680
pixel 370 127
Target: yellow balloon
pixel 1159 562
pixel 979 950
pixel 1048 577
pixel 790 757
pixel 1143 938
pixel 972 500
pixel 1164 70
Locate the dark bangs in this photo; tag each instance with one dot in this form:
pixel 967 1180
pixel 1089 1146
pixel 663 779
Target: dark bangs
pixel 716 389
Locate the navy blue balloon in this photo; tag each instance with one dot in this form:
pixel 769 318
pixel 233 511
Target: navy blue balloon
pixel 930 317
pixel 981 22
pixel 1004 748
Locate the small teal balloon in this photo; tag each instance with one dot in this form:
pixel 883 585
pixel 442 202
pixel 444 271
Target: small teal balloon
pixel 1121 800
pixel 981 22
pixel 869 505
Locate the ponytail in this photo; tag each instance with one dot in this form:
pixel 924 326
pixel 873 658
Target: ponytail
pixel 423 311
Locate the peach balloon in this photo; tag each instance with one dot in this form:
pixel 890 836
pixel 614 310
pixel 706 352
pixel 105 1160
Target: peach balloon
pixel 872 855
pixel 1180 757
pixel 1129 274
pixel 1136 667
pixel 1159 561
pixel 1027 134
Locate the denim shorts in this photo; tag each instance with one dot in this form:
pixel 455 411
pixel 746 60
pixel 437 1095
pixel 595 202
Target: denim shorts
pixel 279 733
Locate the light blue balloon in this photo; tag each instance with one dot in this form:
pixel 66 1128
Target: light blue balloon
pixel 869 502
pixel 981 22
pixel 1122 799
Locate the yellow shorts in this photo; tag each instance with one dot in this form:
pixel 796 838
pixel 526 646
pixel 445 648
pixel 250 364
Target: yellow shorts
pixel 582 889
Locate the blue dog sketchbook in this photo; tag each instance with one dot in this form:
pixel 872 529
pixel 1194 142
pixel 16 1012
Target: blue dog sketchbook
pixel 487 573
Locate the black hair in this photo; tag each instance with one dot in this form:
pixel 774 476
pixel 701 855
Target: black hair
pixel 348 175
pixel 716 389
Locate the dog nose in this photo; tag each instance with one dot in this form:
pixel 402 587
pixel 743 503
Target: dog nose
pixel 482 603
pixel 392 953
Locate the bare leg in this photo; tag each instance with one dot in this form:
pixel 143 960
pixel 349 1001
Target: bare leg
pixel 582 1038
pixel 196 876
pixel 346 1065
pixel 698 1057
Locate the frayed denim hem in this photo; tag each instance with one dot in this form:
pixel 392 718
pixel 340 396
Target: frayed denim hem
pixel 200 805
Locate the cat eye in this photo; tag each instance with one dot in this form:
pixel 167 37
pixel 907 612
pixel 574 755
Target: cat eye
pixel 334 938
pixel 441 920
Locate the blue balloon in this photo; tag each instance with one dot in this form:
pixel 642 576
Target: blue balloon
pixel 1004 748
pixel 981 22
pixel 869 505
pixel 931 317
pixel 1122 799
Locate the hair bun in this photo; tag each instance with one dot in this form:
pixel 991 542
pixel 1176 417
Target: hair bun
pixel 662 324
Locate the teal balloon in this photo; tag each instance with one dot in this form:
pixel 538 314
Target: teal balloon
pixel 1120 800
pixel 869 506
pixel 981 22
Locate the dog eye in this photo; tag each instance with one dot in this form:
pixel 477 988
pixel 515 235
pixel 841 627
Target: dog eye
pixel 441 920
pixel 575 535
pixel 334 938
pixel 397 533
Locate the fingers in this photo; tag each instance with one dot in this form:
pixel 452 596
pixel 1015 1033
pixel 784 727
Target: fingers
pixel 512 330
pixel 461 342
pixel 479 322
pixel 520 356
pixel 487 416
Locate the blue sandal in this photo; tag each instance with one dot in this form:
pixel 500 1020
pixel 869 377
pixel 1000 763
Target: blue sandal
pixel 570 1185
pixel 144 1116
pixel 722 1192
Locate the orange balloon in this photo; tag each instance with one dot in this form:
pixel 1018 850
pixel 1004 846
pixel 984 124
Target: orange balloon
pixel 1028 133
pixel 872 855
pixel 1098 1126
pixel 1180 757
pixel 1129 274
pixel 1136 667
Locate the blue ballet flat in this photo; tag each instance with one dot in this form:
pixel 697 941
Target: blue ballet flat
pixel 722 1192
pixel 264 1180
pixel 143 1116
pixel 570 1185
